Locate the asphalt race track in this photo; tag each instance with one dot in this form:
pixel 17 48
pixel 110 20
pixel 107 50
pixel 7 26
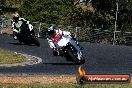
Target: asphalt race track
pixel 100 59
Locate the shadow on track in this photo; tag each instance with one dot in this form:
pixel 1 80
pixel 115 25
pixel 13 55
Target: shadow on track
pixel 60 63
pixel 17 44
pixel 23 44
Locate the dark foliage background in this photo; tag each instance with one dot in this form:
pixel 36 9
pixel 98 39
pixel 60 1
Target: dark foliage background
pixel 93 14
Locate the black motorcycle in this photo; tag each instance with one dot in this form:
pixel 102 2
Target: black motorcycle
pixel 27 36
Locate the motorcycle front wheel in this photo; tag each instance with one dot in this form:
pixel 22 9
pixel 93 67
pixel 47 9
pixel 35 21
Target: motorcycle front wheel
pixel 35 40
pixel 75 59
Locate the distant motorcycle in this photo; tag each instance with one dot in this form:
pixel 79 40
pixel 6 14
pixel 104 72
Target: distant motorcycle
pixel 70 50
pixel 27 36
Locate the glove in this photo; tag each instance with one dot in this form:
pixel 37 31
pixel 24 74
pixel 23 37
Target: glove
pixel 51 44
pixel 55 52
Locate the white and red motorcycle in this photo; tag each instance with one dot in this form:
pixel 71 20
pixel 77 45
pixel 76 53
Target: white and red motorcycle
pixel 70 49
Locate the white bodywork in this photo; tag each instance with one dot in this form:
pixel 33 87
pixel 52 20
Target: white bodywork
pixel 19 23
pixel 64 41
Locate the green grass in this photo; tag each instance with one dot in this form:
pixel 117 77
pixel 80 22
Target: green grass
pixel 7 57
pixel 62 85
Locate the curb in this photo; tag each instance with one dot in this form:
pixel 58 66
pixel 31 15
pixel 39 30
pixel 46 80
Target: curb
pixel 31 60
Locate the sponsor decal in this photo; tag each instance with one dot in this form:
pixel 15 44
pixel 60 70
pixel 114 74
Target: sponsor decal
pixel 101 78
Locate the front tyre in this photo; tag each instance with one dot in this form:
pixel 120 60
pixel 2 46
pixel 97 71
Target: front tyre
pixel 75 59
pixel 35 40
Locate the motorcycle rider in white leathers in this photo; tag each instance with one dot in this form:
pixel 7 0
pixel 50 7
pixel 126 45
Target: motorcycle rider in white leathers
pixel 16 24
pixel 53 35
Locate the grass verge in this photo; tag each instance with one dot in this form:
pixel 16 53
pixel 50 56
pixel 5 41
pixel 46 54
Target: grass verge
pixel 65 85
pixel 7 57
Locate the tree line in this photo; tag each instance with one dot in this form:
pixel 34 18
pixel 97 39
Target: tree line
pixel 91 13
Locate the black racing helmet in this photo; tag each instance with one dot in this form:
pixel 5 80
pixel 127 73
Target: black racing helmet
pixel 51 29
pixel 15 16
